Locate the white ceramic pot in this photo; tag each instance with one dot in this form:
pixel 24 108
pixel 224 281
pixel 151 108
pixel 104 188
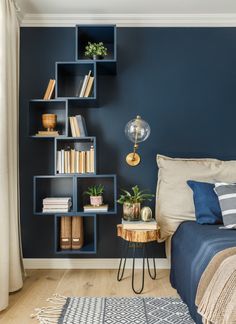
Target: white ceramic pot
pixel 96 200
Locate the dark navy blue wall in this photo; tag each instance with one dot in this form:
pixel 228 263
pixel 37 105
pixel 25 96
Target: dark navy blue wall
pixel 181 80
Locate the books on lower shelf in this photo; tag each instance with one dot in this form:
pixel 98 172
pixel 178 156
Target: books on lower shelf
pixel 57 205
pixel 139 225
pixel 73 161
pixel 94 209
pixel 86 86
pixel 71 232
pixel 78 126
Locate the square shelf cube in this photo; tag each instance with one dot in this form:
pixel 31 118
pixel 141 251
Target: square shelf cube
pixel 79 151
pixel 39 107
pixel 90 237
pixel 109 196
pixel 96 34
pixel 52 186
pixel 70 77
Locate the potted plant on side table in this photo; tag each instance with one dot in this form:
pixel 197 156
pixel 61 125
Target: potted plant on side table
pixel 131 202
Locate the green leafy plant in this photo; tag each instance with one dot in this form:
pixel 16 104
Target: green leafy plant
pixel 96 190
pixel 136 196
pixel 95 49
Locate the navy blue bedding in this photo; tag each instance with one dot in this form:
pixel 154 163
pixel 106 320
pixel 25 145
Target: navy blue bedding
pixel 193 246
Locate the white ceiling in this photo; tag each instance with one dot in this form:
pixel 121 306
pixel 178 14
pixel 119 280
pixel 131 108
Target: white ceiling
pixel 127 6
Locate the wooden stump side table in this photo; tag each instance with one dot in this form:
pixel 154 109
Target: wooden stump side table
pixel 133 237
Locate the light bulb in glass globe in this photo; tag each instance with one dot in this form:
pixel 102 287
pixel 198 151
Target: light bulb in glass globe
pixel 137 130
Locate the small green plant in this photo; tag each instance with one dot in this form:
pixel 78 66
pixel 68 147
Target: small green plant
pixel 95 49
pixel 96 190
pixel 136 196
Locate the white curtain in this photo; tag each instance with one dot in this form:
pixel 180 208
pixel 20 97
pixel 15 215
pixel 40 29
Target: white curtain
pixel 10 251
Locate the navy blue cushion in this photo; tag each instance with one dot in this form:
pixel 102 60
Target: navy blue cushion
pixel 207 207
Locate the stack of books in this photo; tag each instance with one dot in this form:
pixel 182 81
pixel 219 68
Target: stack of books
pixel 78 126
pixel 139 225
pixel 86 85
pixel 71 233
pixel 93 209
pixel 56 205
pixel 73 161
pixel 49 90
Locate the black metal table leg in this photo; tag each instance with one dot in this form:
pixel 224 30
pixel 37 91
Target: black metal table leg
pixel 154 268
pixel 121 269
pixel 134 250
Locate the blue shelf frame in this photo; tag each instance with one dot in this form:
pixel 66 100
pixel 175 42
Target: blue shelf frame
pixel 97 33
pixel 74 190
pixel 80 68
pixel 89 248
pixel 73 71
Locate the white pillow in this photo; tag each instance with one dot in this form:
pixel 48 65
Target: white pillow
pixel 174 199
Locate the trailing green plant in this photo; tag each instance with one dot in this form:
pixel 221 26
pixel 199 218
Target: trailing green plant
pixel 135 196
pixel 96 190
pixel 95 49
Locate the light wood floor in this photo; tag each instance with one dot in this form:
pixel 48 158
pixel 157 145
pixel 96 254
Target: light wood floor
pixel 41 284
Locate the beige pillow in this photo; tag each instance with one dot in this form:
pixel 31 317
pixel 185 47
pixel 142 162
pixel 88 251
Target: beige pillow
pixel 174 199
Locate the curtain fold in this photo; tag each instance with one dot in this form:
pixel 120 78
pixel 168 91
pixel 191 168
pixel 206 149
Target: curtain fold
pixel 10 247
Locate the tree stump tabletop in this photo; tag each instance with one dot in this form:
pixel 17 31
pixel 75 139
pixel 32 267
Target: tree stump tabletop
pixel 138 236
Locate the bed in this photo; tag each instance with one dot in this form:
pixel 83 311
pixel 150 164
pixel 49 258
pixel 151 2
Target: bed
pixel 192 248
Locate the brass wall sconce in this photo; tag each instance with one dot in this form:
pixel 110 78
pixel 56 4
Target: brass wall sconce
pixel 137 130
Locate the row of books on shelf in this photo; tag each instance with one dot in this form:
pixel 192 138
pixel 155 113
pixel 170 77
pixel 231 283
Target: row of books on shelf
pixel 57 204
pixel 71 233
pixel 86 85
pixel 73 161
pixel 78 126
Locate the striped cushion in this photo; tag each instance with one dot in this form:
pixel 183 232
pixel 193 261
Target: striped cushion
pixel 226 193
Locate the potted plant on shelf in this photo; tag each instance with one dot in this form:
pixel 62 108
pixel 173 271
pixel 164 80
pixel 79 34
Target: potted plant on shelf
pixel 96 51
pixel 131 202
pixel 95 194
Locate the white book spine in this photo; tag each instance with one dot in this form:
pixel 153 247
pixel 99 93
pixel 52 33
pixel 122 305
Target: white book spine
pixel 62 161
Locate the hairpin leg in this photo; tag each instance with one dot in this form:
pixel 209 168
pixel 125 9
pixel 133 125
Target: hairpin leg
pixel 133 269
pixel 121 269
pixel 154 268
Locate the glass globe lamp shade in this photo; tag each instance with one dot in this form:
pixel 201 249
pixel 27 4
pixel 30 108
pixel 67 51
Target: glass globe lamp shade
pixel 137 130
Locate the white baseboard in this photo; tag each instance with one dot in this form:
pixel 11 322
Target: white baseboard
pixel 88 263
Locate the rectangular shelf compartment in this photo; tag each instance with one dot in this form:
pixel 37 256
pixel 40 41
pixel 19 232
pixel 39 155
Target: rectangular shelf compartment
pixel 38 107
pixel 69 80
pixel 109 196
pixel 90 237
pixel 77 143
pixel 52 186
pixel 96 34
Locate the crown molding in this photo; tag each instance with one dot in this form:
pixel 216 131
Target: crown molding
pixel 89 263
pixel 130 20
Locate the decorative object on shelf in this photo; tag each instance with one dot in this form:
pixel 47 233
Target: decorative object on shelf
pixel 49 121
pixel 146 214
pixel 50 88
pixel 95 194
pixel 96 51
pixel 137 130
pixel 131 202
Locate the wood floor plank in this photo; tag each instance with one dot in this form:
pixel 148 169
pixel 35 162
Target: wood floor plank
pixel 42 284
